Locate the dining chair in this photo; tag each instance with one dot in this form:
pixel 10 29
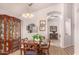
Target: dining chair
pixel 31 49
pixel 45 47
pixel 22 45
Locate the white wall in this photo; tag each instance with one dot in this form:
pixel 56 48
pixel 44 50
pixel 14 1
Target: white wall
pixel 76 32
pixel 68 17
pixel 42 15
pixel 53 22
pixel 24 28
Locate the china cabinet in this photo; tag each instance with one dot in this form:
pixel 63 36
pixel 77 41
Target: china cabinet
pixel 10 33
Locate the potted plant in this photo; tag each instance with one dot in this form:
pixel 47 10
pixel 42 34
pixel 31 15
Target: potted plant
pixel 37 37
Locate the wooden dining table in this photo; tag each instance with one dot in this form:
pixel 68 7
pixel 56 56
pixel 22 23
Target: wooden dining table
pixel 32 43
pixel 28 42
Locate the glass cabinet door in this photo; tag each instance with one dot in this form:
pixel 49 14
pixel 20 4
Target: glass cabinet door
pixel 7 34
pixel 2 33
pixel 18 29
pixel 13 34
pixel 11 29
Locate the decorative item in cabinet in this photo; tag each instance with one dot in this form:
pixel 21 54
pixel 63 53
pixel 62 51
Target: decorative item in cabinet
pixel 7 31
pixel 1 29
pixel 10 28
pixel 14 30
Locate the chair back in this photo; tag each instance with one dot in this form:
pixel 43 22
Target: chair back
pixel 24 47
pixel 22 40
pixel 30 47
pixel 21 43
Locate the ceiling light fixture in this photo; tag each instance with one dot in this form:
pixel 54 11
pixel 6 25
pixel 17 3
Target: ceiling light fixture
pixel 28 14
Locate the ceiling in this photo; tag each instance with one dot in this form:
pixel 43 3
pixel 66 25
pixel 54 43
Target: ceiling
pixel 19 8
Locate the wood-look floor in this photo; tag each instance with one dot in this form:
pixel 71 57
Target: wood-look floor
pixel 61 51
pixel 55 51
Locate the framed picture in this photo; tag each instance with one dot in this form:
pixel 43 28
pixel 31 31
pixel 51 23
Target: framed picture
pixel 42 26
pixel 53 28
pixel 32 28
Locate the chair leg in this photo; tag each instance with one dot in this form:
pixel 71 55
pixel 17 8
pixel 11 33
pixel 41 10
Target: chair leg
pixel 48 51
pixel 21 51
